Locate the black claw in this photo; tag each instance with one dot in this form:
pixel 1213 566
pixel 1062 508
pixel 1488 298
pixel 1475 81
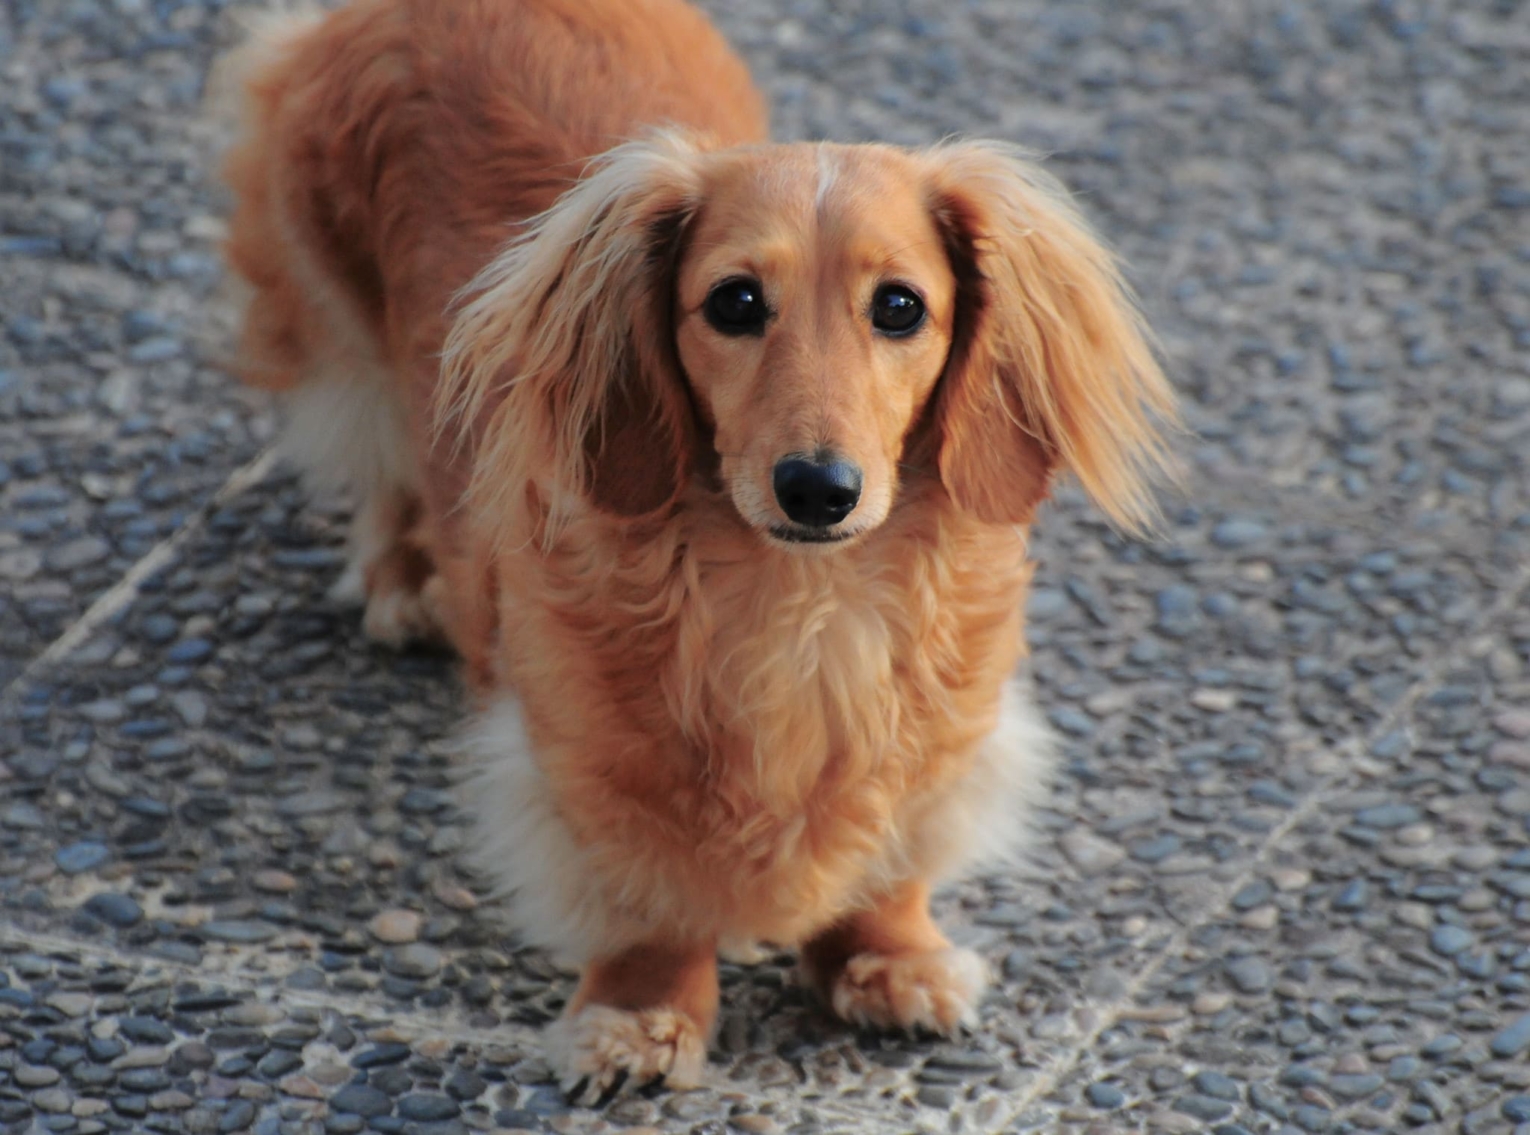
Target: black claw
pixel 651 1088
pixel 576 1093
pixel 610 1093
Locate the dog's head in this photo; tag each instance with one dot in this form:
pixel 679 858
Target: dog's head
pixel 807 326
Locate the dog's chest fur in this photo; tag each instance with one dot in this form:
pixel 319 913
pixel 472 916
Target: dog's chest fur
pixel 772 724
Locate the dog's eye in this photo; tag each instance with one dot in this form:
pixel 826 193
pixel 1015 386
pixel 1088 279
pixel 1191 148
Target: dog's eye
pixel 896 310
pixel 737 307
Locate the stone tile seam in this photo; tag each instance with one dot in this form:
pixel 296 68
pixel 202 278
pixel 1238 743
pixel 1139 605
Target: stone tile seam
pixel 410 1023
pixel 1109 1014
pixel 238 980
pixel 125 590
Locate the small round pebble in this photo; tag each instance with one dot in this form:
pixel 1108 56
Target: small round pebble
pixel 238 1116
pixel 273 881
pixel 1105 1096
pixel 1203 1108
pixel 115 909
pixel 426 1107
pixel 396 927
pixel 416 960
pixel 361 1099
pixel 1216 1085
pixel 1448 940
pixel 1512 1040
pixel 78 858
pixel 1249 974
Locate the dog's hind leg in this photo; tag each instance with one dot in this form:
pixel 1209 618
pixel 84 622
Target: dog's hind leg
pixel 400 584
pixel 313 317
pixel 344 429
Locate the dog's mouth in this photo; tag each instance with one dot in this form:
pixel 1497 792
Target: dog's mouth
pixel 791 534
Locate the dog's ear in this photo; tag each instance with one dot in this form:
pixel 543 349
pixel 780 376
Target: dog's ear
pixel 562 362
pixel 1050 366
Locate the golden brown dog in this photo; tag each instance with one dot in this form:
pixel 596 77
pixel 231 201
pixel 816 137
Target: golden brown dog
pixel 717 474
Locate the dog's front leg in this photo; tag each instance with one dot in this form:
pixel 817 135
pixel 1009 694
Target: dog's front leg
pixel 891 967
pixel 640 1015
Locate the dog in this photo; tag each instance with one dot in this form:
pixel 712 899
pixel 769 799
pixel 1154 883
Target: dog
pixel 714 459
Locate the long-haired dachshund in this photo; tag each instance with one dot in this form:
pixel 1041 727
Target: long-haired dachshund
pixel 714 459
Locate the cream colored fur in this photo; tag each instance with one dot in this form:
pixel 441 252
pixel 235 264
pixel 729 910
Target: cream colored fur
pixel 554 897
pixel 521 844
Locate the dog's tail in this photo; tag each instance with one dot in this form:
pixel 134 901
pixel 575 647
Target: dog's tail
pixel 228 136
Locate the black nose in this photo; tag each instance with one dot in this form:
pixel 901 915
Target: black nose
pixel 818 494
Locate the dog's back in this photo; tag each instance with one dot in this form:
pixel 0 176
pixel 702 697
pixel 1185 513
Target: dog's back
pixel 434 127
pixel 387 151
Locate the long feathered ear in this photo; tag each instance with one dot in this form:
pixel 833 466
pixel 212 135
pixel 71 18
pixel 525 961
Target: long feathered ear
pixel 562 365
pixel 1051 366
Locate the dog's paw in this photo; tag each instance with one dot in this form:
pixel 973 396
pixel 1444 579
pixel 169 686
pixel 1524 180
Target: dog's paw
pixel 600 1051
pixel 399 617
pixel 936 990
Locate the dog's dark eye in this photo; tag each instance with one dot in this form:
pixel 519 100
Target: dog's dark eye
pixel 737 307
pixel 896 310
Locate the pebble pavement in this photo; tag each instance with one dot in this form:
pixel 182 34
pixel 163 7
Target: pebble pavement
pixel 1283 884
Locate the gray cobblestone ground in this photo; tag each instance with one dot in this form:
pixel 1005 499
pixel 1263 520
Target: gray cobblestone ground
pixel 1284 885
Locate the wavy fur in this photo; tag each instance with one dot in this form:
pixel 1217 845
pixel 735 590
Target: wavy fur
pixel 495 225
pixel 557 334
pixel 1057 355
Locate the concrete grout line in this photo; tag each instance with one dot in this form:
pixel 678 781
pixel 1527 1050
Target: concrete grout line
pixel 441 1025
pixel 1110 1014
pixel 121 593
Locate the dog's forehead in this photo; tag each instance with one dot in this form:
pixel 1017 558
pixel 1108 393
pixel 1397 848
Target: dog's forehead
pixel 862 194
